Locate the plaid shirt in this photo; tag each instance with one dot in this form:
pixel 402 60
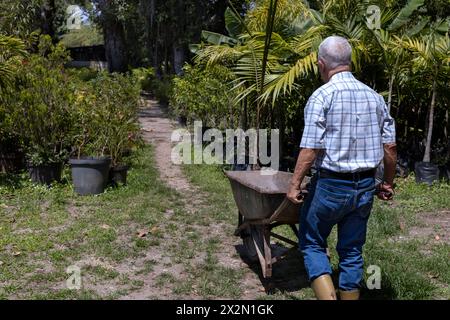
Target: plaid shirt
pixel 350 122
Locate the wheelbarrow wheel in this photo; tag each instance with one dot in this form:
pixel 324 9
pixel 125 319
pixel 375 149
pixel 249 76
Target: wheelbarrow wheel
pixel 253 232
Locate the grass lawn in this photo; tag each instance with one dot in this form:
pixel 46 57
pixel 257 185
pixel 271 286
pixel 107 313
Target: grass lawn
pixel 132 242
pixel 44 230
pixel 412 267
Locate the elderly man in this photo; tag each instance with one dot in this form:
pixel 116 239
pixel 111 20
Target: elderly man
pixel 348 132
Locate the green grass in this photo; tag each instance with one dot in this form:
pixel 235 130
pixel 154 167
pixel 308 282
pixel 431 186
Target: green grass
pixel 45 230
pixel 411 268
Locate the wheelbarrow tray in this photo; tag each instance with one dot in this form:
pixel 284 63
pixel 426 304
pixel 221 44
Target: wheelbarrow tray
pixel 258 195
pixel 263 206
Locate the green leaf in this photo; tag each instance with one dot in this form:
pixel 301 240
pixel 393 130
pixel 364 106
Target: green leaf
pixel 443 26
pixel 318 16
pixel 195 48
pixel 233 23
pixel 301 25
pixel 418 27
pixel 217 38
pixel 404 15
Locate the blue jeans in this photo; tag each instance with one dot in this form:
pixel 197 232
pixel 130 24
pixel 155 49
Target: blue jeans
pixel 346 204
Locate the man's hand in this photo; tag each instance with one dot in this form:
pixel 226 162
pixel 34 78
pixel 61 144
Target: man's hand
pixel 295 195
pixel 385 191
pixel 305 160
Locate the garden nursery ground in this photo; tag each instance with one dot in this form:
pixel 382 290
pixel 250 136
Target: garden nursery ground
pixel 168 234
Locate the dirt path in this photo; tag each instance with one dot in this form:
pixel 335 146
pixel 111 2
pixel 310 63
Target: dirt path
pixel 157 129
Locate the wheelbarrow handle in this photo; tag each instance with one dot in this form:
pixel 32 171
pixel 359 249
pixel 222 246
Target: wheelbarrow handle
pixel 286 202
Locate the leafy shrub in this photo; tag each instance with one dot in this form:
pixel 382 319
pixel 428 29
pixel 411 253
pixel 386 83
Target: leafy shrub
pixel 162 89
pixel 40 105
pixel 12 53
pixel 106 117
pixel 83 74
pixel 204 95
pixel 145 77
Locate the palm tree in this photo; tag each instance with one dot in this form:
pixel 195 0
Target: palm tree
pixel 395 26
pixel 12 51
pixel 432 58
pixel 269 64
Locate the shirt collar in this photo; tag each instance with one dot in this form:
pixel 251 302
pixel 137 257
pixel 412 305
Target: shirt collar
pixel 342 75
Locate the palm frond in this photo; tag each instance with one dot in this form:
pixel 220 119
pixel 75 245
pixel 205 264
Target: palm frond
pixel 217 38
pixel 286 12
pixel 282 83
pixel 218 54
pixel 405 13
pixel 12 50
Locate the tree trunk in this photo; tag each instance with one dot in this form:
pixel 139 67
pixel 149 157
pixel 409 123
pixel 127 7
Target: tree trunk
pixel 156 55
pixel 149 7
pixel 427 155
pixel 446 125
pixel 179 58
pixel 282 128
pixel 244 115
pixel 391 87
pixel 114 36
pixel 166 58
pixel 48 16
pixel 217 23
pixel 115 47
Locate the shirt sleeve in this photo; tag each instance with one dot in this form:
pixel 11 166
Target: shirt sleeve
pixel 387 125
pixel 315 124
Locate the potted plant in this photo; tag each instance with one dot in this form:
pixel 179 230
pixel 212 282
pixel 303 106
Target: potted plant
pixel 11 155
pixel 430 60
pixel 106 127
pixel 41 110
pixel 119 151
pixel 122 93
pixel 90 165
pixel 12 54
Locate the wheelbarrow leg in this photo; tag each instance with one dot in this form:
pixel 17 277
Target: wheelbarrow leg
pixel 237 232
pixel 267 254
pixel 240 219
pixel 264 253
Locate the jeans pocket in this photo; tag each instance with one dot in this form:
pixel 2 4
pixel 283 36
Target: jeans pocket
pixel 330 204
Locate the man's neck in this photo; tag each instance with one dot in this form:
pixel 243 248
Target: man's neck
pixel 338 70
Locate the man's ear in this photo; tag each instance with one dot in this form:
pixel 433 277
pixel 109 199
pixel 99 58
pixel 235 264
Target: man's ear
pixel 321 64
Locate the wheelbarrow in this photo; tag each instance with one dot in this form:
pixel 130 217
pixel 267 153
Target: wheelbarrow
pixel 263 206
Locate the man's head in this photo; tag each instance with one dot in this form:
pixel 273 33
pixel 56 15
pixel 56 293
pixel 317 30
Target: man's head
pixel 335 55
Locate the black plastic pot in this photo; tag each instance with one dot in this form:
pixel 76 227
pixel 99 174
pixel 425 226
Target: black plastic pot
pixel 45 174
pixel 118 175
pixel 11 162
pixel 444 172
pixel 426 172
pixel 90 175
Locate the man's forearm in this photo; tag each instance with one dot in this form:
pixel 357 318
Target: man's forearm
pixel 305 161
pixel 390 162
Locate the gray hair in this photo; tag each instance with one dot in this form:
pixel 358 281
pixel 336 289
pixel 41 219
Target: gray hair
pixel 335 51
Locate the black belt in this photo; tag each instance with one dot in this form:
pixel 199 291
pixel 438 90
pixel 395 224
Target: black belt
pixel 352 176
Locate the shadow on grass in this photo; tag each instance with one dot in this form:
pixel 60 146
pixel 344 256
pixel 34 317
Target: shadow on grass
pixel 289 275
pixel 10 180
pixel 21 179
